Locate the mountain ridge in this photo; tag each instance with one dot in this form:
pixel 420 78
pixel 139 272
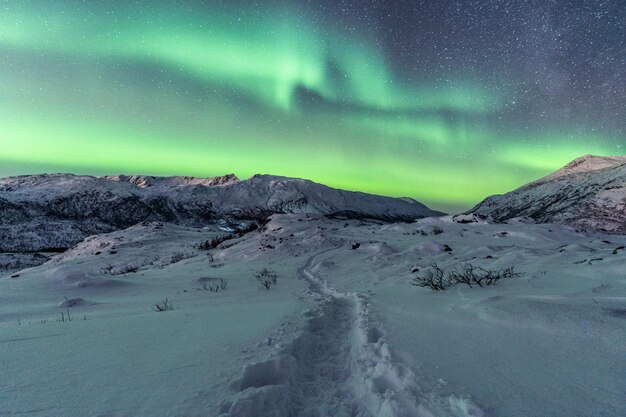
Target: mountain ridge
pixel 588 193
pixel 55 211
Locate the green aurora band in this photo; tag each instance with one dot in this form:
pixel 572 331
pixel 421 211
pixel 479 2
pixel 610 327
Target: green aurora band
pixel 160 91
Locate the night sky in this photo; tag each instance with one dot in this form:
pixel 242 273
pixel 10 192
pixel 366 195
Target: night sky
pixel 446 102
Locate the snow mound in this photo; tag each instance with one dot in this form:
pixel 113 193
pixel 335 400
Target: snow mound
pixel 72 302
pixel 430 248
pixel 68 277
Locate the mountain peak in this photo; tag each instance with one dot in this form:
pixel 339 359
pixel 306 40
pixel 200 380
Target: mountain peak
pixel 587 163
pixel 588 193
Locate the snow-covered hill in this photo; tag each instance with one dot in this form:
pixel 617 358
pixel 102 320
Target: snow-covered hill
pixel 53 212
pixel 589 193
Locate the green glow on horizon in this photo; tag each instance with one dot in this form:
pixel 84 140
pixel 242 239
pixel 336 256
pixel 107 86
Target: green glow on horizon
pixel 163 91
pixel 111 151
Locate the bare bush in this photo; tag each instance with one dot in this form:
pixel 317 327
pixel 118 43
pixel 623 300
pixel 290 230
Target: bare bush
pixel 466 274
pixel 179 256
pixel 209 286
pixel 65 317
pixel 108 269
pixel 433 279
pixel 437 280
pixel 266 277
pixel 164 305
pixel 214 285
pixel 482 276
pixel 119 270
pixel 214 242
pixel 223 284
pixel 128 268
pixel 436 230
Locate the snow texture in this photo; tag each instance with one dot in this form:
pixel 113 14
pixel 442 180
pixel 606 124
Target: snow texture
pixel 341 333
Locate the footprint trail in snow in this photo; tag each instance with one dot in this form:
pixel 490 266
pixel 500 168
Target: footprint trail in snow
pixel 338 366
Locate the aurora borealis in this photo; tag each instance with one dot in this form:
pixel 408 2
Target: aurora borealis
pixel 446 102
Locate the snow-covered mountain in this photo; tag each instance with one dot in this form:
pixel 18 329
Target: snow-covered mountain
pixel 588 193
pixel 53 212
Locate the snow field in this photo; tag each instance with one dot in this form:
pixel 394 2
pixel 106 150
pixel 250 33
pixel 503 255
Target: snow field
pixel 342 333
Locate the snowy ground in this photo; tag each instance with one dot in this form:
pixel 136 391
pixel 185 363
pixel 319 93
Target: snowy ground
pixel 341 333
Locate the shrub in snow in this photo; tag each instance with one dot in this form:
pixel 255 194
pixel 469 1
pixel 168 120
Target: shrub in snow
pixel 214 243
pixel 164 305
pixel 214 285
pixel 266 277
pixel 107 270
pixel 437 280
pixel 179 256
pixel 65 317
pixel 434 278
pixel 128 268
pixel 436 230
pixel 121 270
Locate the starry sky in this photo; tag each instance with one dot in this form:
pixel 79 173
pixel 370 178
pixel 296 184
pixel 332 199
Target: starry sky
pixel 443 101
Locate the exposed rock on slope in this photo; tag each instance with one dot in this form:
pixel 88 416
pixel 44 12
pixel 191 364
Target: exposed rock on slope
pixel 51 212
pixel 588 193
